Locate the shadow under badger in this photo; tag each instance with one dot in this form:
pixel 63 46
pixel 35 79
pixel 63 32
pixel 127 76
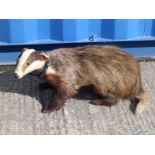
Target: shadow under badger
pixel 113 73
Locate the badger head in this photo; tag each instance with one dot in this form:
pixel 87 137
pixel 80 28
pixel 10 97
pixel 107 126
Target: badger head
pixel 29 61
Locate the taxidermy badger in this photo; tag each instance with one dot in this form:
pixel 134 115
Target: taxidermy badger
pixel 113 73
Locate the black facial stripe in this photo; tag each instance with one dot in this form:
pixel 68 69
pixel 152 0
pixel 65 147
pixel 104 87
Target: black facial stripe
pixel 32 57
pixel 19 56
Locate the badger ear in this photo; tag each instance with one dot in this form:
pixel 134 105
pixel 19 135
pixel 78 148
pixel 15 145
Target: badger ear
pixel 24 49
pixel 43 56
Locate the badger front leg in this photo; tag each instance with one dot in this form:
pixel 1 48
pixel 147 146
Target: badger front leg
pixel 62 92
pixel 105 101
pixel 59 99
pixel 44 85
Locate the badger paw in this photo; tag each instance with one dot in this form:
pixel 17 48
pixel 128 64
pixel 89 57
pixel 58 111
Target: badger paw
pixel 96 102
pixel 49 109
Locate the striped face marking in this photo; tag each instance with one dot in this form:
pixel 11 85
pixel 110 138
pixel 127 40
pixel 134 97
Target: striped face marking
pixel 28 61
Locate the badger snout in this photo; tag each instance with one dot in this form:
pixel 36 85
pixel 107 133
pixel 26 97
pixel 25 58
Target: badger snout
pixel 18 75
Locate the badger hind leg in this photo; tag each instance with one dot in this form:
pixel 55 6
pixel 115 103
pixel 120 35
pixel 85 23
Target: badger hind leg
pixel 105 101
pixel 141 101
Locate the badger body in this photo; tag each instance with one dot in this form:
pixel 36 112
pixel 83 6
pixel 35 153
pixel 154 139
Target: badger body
pixel 107 68
pixel 113 73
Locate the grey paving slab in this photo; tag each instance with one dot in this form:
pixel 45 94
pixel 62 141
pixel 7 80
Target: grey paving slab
pixel 21 102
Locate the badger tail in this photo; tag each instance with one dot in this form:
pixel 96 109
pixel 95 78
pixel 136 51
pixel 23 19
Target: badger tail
pixel 143 101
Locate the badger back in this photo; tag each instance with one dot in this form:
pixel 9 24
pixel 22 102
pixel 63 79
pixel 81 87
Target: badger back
pixel 110 68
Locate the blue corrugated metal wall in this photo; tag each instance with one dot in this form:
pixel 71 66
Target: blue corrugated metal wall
pixel 43 31
pixel 70 30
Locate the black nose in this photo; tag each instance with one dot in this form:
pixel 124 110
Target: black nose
pixel 16 76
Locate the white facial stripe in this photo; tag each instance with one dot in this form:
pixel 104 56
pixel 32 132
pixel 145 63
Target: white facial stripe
pixel 22 60
pixel 34 66
pixel 26 54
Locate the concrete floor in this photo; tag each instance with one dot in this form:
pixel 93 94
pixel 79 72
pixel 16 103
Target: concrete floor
pixel 21 102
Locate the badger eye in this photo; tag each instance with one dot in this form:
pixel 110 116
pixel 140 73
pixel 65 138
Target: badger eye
pixel 28 63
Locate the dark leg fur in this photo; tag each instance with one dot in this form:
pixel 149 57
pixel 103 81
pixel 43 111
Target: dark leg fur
pixel 59 99
pixel 105 101
pixel 44 85
pixel 62 93
pixel 134 103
